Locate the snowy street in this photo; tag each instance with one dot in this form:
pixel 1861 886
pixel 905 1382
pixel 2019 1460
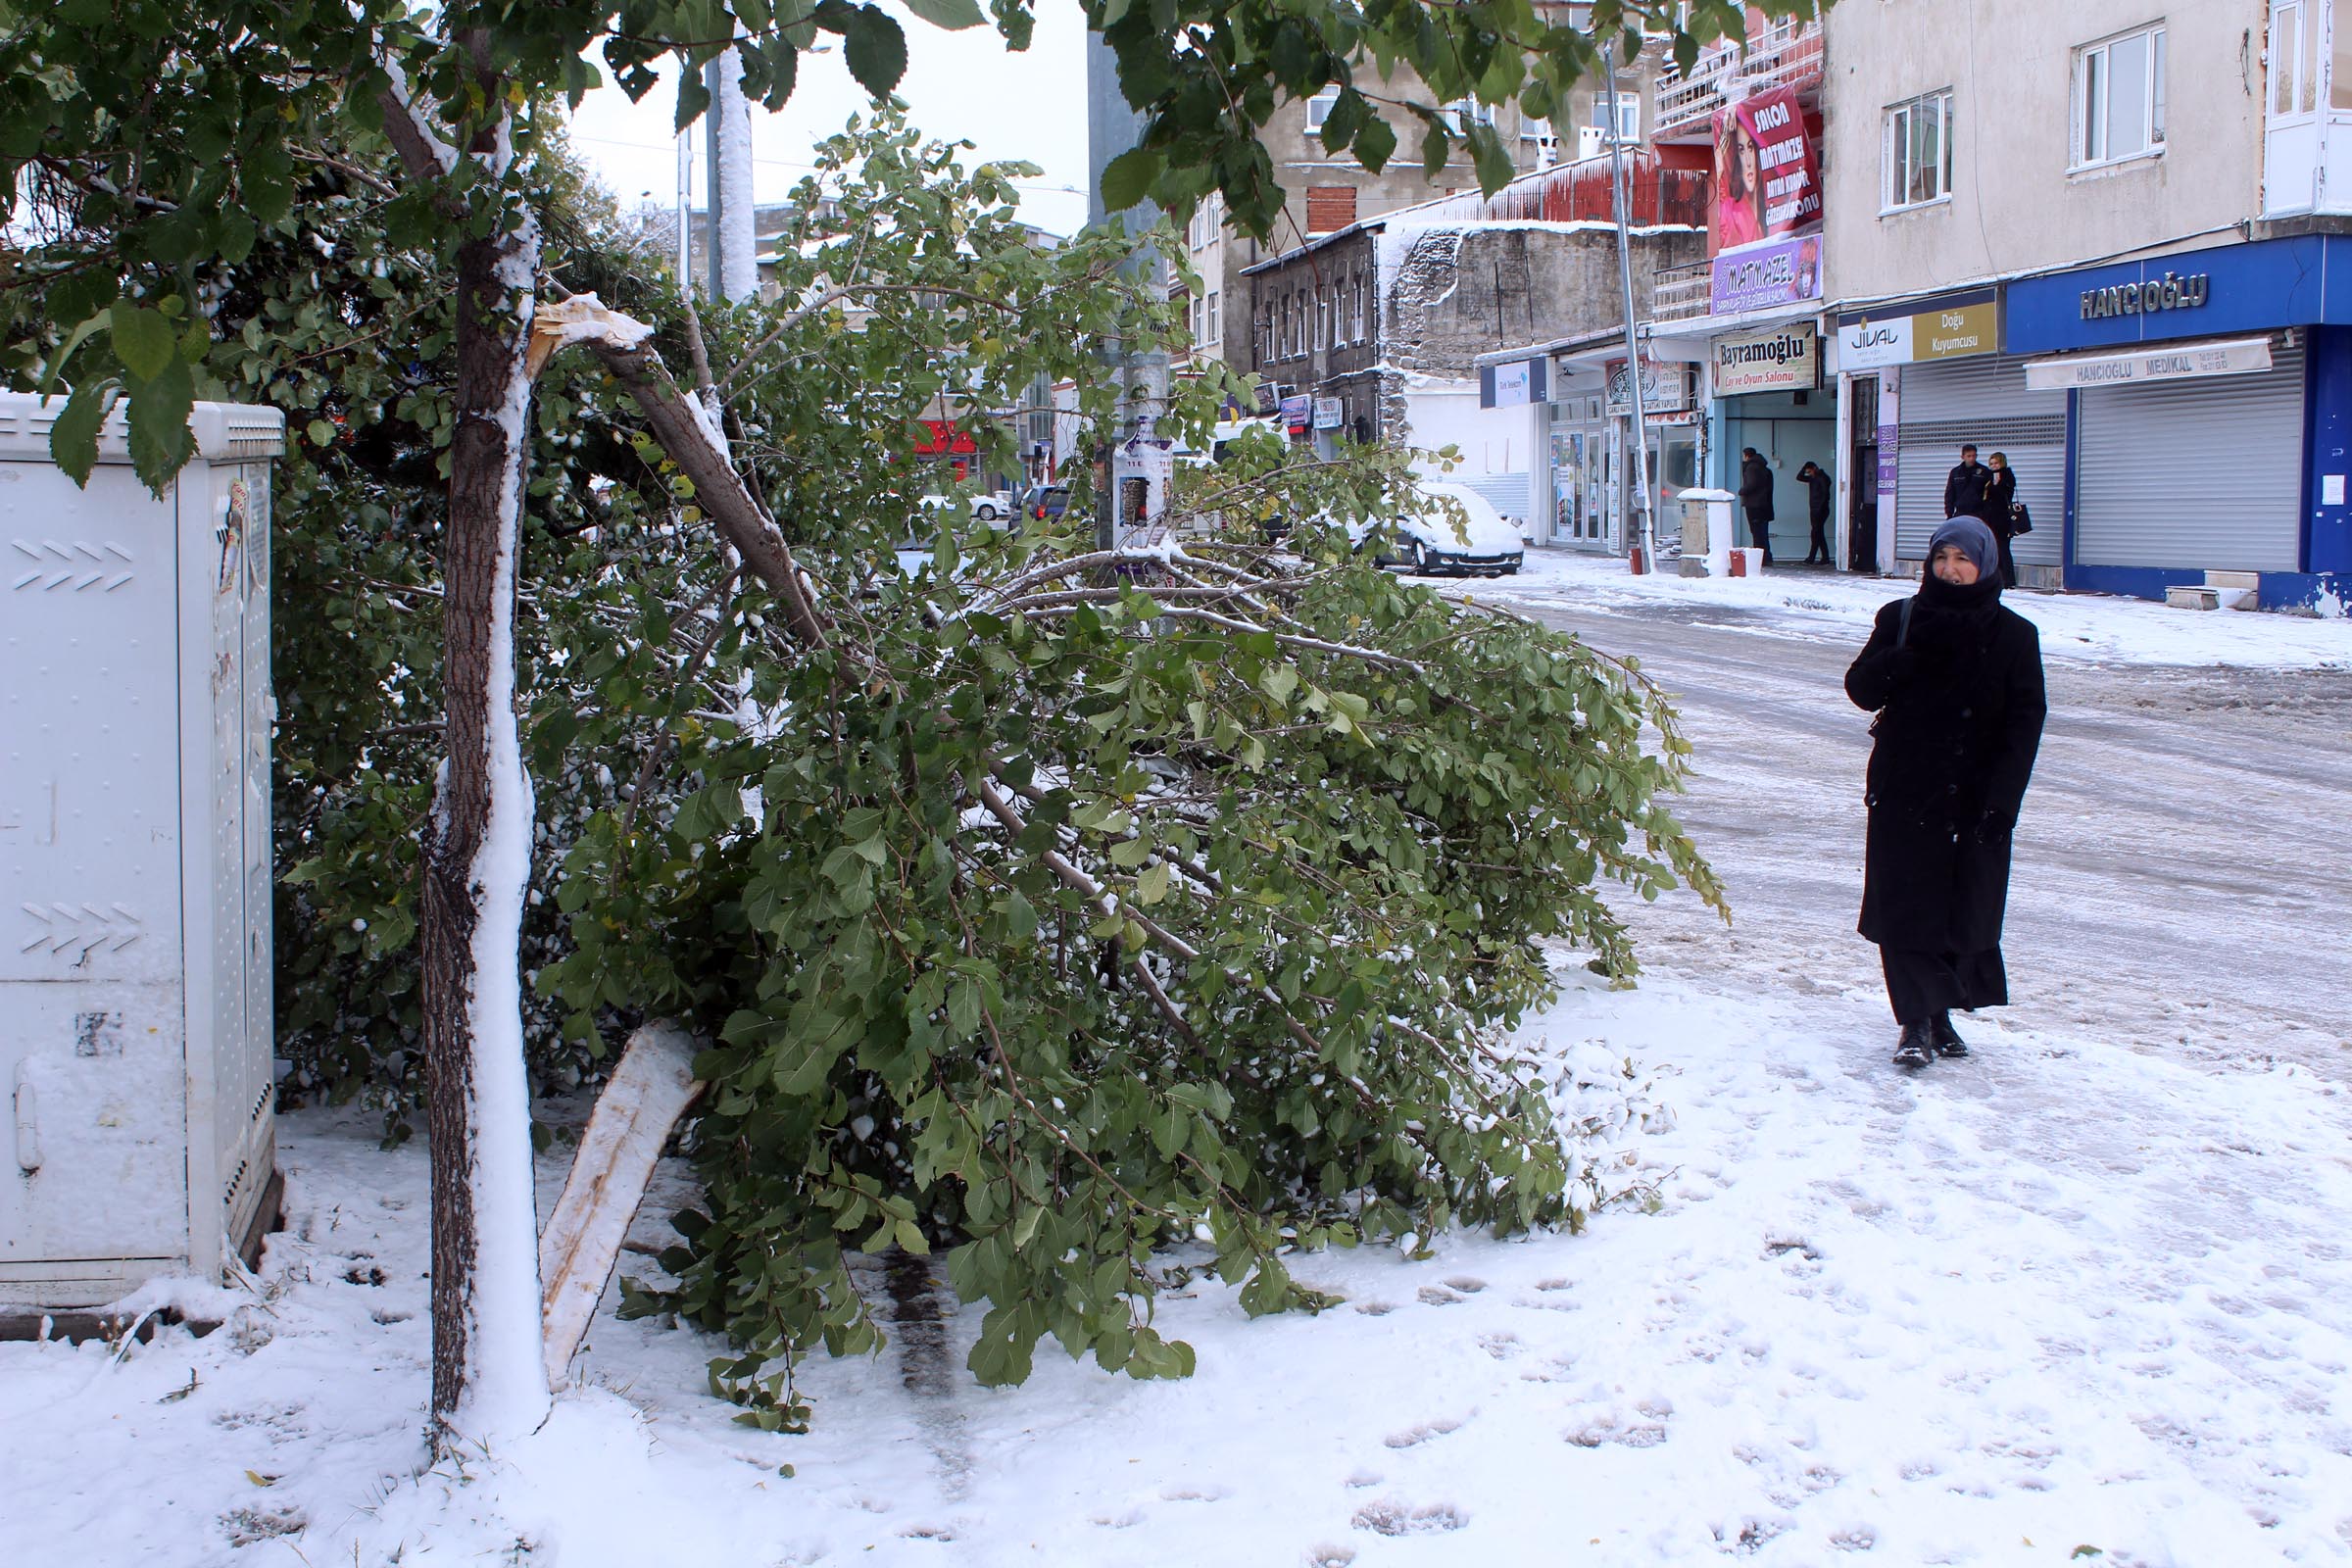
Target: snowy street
pixel 2092 1288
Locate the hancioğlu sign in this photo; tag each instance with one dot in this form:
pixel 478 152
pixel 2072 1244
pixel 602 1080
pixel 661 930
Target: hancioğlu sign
pixel 1782 359
pixel 1765 182
pixel 1785 272
pixel 2171 292
pixel 2244 357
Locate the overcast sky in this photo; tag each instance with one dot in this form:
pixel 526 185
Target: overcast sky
pixel 959 87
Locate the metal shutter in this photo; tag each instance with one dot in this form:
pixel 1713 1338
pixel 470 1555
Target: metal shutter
pixel 1985 401
pixel 2202 475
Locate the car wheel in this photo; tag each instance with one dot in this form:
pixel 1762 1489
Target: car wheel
pixel 985 514
pixel 1416 557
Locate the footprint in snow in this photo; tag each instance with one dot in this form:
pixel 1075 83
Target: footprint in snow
pixel 1390 1517
pixel 1413 1436
pixel 1327 1555
pixel 1208 1493
pixel 1125 1519
pixel 1375 1308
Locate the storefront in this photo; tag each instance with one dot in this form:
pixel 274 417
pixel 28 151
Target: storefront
pixel 1767 393
pixel 2209 394
pixel 1582 398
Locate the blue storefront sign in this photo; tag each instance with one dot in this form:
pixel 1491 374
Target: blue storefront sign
pixel 2303 282
pixel 2224 291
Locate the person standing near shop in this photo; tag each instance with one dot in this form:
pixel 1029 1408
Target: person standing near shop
pixel 1955 679
pixel 1964 487
pixel 1818 485
pixel 2000 510
pixel 1755 497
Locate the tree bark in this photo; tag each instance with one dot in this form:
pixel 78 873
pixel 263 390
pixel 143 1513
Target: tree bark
pixel 489 1377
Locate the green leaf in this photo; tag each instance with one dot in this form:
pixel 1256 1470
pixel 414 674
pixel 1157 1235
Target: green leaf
pixel 875 48
pixel 1152 885
pixel 161 441
pixel 144 340
pixel 1278 681
pixel 74 438
pixel 1127 179
pixel 953 15
pixel 320 433
pixel 1375 143
pixel 57 364
pixel 1024 1228
pixel 1020 918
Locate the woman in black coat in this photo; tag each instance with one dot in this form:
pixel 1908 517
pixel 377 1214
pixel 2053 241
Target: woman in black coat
pixel 1955 678
pixel 2001 512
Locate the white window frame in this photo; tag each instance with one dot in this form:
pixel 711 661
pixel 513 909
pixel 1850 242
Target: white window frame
pixel 1362 329
pixel 1216 327
pixel 2093 129
pixel 1463 112
pixel 1320 108
pixel 1895 162
pixel 1629 116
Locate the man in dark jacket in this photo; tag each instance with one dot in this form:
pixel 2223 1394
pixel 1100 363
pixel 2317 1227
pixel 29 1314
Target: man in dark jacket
pixel 1755 495
pixel 1955 678
pixel 1818 485
pixel 1964 488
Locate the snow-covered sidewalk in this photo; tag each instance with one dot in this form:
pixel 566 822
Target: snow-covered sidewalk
pixel 2060 1296
pixel 1801 601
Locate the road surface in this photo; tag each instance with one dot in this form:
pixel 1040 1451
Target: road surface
pixel 2183 869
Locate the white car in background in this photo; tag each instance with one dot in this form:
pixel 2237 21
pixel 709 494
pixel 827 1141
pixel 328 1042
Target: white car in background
pixel 1434 537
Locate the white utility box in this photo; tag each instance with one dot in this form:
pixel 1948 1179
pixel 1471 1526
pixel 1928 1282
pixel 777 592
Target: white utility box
pixel 136 1017
pixel 1706 532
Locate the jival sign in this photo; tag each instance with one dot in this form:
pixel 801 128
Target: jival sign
pixel 2171 292
pixel 1954 332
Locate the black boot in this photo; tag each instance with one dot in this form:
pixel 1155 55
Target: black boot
pixel 1947 1039
pixel 1917 1048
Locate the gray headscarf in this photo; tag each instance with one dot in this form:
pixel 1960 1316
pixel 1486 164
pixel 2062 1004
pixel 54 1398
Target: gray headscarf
pixel 1974 540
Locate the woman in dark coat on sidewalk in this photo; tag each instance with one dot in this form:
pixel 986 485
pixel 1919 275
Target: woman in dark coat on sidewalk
pixel 1959 696
pixel 2000 503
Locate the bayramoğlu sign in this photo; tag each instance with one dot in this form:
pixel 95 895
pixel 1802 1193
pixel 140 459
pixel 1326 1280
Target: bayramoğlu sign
pixel 2171 292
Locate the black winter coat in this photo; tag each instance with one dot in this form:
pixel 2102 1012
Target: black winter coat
pixel 1960 709
pixel 1755 489
pixel 2000 494
pixel 1820 485
pixel 1964 491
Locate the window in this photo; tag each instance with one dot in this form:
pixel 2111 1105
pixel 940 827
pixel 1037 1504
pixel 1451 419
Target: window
pixel 1215 329
pixel 1360 333
pixel 1322 321
pixel 2294 50
pixel 1463 112
pixel 1207 220
pixel 2119 98
pixel 1628 114
pixel 1919 152
pixel 1318 110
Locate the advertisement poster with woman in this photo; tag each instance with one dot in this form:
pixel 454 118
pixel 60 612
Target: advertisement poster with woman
pixel 1765 181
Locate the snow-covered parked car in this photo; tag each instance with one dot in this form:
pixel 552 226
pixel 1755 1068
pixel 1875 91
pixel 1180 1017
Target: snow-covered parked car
pixel 1434 537
pixel 990 505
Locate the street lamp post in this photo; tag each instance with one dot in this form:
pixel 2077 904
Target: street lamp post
pixel 1645 556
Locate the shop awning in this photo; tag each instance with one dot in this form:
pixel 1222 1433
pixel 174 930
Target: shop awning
pixel 2173 361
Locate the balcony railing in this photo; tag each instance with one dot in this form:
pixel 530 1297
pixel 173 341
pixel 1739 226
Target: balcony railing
pixel 1784 53
pixel 1680 293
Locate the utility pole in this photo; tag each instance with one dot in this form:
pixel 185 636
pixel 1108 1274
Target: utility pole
pixel 1645 559
pixel 1137 465
pixel 732 231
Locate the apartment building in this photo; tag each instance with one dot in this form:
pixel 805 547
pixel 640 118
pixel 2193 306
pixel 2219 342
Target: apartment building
pixel 1328 192
pixel 2113 241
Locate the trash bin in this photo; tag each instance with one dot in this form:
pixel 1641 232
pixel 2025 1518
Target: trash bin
pixel 1708 537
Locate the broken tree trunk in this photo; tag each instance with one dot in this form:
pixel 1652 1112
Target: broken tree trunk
pixel 648 1092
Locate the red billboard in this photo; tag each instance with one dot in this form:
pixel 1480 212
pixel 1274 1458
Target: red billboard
pixel 1765 182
